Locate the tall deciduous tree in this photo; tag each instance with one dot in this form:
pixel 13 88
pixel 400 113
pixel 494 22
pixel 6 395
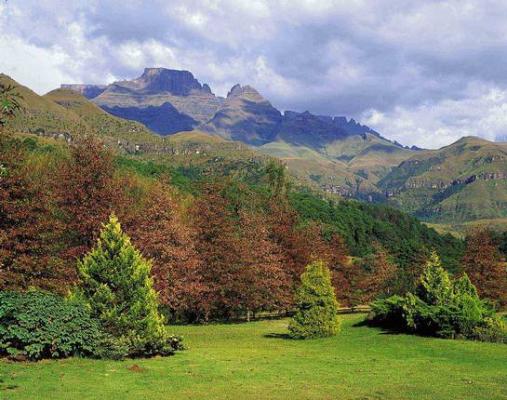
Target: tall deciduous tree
pixel 218 243
pixel 28 252
pixel 483 266
pixel 379 275
pixel 85 194
pixel 266 282
pixel 160 233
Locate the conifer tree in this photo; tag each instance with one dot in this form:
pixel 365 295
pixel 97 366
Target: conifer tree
pixel 316 306
pixel 116 284
pixel 435 286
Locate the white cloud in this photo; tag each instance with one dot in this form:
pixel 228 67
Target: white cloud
pixel 439 124
pixel 41 69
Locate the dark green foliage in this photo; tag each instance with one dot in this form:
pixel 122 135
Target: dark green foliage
pixel 316 306
pixel 116 285
pixel 362 225
pixel 37 325
pixel 10 103
pixel 441 307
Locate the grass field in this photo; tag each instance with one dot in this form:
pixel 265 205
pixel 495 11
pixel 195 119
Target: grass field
pixel 255 361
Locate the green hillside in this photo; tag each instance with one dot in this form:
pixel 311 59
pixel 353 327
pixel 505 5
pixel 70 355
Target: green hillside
pixel 463 182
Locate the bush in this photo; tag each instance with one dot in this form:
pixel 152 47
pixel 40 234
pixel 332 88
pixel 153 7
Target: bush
pixel 316 306
pixel 36 325
pixel 441 307
pixel 388 312
pixel 491 330
pixel 117 287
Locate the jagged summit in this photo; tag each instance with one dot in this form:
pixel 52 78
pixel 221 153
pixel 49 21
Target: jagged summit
pixel 238 90
pixel 157 80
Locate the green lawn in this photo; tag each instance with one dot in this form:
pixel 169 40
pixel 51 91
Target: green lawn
pixel 252 361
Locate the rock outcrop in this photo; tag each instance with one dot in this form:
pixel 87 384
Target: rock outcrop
pixel 245 116
pixel 165 100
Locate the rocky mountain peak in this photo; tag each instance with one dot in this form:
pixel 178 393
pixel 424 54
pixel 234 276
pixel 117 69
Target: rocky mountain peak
pixel 244 91
pixel 158 80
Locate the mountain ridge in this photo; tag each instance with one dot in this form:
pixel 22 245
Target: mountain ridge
pixel 460 183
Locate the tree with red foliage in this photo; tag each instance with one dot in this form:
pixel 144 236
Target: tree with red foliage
pixel 302 245
pixel 85 194
pixel 266 283
pixel 160 234
pixel 219 246
pixel 378 275
pixel 483 266
pixel 27 243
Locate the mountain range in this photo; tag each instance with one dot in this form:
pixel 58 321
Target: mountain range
pixel 459 184
pixel 338 154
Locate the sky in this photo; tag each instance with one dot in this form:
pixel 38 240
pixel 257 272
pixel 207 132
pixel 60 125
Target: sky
pixel 423 73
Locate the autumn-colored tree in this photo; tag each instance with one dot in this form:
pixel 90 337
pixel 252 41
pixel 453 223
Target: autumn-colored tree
pixel 218 244
pixel 483 266
pixel 158 230
pixel 378 275
pixel 302 245
pixel 85 194
pixel 27 243
pixel 266 282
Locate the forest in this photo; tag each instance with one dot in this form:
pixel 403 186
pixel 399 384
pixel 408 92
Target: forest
pixel 222 247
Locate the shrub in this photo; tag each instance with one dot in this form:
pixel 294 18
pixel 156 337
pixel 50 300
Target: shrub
pixel 117 287
pixel 36 325
pixel 441 307
pixel 388 312
pixel 316 306
pixel 491 330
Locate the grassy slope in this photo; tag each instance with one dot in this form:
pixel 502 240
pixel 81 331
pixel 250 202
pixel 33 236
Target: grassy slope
pixel 100 121
pixel 238 361
pixel 39 112
pixel 354 163
pixel 475 201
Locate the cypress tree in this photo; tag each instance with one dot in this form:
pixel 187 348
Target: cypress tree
pixel 316 306
pixel 116 284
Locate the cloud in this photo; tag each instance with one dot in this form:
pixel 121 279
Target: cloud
pixel 483 113
pixel 390 60
pixel 42 77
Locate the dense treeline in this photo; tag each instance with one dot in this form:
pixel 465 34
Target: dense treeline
pixel 221 247
pixel 362 225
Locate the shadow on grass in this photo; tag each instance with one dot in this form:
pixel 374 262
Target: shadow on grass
pixel 385 330
pixel 272 335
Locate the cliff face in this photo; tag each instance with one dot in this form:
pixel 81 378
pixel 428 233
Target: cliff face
pixel 168 101
pixel 165 100
pixel 161 80
pixel 245 116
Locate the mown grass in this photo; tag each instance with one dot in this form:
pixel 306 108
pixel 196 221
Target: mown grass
pixel 255 361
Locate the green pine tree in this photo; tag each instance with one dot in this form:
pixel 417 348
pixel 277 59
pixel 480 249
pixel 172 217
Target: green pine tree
pixel 435 286
pixel 116 285
pixel 316 306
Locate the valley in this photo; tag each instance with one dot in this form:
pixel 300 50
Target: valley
pixel 335 155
